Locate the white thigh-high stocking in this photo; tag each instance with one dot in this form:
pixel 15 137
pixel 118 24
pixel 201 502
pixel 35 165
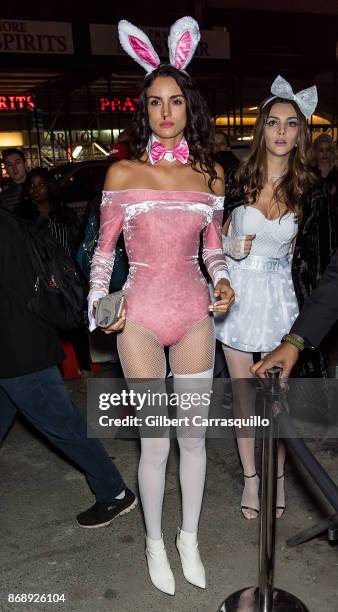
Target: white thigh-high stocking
pixel 153 461
pixel 192 470
pixel 191 442
pixel 151 478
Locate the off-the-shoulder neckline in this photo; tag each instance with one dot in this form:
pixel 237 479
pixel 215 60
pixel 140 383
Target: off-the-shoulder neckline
pixel 162 191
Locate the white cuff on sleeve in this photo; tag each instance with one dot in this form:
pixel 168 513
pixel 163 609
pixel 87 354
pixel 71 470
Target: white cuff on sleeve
pixel 219 275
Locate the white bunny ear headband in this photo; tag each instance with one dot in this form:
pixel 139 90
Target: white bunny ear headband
pixel 307 99
pixel 183 39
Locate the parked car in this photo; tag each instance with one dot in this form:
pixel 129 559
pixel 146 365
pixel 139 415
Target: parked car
pixel 80 182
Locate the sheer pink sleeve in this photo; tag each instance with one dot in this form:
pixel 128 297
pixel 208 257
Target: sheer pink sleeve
pixel 111 222
pixel 213 254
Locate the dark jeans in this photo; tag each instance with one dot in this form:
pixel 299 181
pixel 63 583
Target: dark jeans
pixel 44 400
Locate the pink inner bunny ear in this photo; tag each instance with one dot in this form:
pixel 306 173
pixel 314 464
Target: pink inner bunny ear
pixel 143 51
pixel 183 50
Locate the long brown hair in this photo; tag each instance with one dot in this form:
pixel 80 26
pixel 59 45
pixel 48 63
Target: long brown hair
pixel 251 174
pixel 197 130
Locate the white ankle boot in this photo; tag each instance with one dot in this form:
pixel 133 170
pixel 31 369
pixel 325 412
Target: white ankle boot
pixel 159 568
pixel 192 565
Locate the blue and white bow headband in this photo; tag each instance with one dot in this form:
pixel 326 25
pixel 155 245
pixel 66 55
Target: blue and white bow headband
pixel 307 99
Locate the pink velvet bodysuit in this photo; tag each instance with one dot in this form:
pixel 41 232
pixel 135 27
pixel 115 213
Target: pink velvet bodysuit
pixel 165 291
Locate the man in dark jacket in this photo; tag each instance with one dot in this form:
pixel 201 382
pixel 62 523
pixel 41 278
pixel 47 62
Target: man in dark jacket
pixel 14 191
pixel 319 313
pixel 30 381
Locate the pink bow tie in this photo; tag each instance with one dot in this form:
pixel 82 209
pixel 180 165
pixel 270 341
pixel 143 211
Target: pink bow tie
pixel 179 152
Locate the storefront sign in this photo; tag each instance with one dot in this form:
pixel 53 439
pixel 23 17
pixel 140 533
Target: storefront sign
pixel 214 44
pixel 78 138
pixel 118 104
pixel 16 103
pixel 48 37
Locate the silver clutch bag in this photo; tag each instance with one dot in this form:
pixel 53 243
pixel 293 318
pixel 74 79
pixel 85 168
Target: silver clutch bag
pixel 109 309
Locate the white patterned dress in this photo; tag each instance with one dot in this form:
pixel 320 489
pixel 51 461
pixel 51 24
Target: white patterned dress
pixel 265 302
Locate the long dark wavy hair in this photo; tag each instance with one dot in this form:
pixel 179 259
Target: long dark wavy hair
pixel 251 175
pixel 197 131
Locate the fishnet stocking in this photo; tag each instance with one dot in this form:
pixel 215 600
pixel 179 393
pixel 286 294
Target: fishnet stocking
pixel 195 352
pixel 142 356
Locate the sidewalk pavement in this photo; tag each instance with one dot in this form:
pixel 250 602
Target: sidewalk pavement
pixel 104 570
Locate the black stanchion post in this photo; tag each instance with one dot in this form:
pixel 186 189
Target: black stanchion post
pixel 268 498
pixel 265 598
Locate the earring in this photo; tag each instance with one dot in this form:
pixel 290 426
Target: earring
pixel 296 145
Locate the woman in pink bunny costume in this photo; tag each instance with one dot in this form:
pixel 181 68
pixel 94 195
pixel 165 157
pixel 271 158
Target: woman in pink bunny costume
pixel 164 198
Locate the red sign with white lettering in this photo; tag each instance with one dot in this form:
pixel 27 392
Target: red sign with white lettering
pixel 16 103
pixel 128 105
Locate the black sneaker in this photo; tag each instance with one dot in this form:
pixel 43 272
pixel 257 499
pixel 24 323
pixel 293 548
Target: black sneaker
pixel 101 514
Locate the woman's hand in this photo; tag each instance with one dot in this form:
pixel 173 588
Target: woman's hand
pixel 239 247
pixel 115 327
pixel 224 296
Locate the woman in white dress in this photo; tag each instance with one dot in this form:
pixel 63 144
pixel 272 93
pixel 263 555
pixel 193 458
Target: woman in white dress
pixel 258 239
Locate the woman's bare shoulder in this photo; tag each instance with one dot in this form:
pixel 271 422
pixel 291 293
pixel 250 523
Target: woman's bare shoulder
pixel 119 174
